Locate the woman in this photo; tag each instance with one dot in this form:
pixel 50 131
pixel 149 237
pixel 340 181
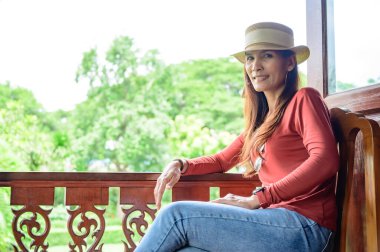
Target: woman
pixel 287 141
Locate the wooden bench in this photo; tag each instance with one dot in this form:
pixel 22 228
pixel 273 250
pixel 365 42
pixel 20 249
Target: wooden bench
pixel 358 184
pixel 358 141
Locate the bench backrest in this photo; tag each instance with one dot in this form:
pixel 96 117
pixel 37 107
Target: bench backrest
pixel 347 127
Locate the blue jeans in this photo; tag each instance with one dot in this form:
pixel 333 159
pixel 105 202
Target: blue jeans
pixel 190 226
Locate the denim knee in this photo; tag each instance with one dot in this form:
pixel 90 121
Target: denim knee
pixel 175 210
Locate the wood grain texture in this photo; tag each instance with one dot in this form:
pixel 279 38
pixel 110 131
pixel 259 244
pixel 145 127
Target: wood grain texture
pixel 32 196
pixel 85 191
pixel 365 100
pixel 350 182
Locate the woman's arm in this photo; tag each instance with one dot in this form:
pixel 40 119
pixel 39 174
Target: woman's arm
pixel 218 163
pixel 312 122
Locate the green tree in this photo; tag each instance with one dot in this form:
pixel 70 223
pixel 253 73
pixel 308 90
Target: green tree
pixel 211 89
pixel 123 118
pixel 27 131
pixel 135 99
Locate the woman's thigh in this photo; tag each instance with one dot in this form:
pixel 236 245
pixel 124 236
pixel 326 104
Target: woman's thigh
pixel 217 227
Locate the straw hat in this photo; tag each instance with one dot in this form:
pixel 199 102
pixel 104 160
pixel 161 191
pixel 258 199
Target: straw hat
pixel 271 36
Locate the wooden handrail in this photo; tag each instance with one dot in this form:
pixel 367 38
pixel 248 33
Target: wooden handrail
pixel 7 177
pixel 87 190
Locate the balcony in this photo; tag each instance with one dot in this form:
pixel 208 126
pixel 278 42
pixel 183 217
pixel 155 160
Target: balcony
pixel 86 199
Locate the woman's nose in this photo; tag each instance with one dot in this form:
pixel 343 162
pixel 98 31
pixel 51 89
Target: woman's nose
pixel 256 66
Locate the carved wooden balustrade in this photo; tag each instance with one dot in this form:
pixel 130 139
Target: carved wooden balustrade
pixel 87 196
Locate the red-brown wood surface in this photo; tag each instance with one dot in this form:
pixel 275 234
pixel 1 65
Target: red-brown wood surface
pixel 190 193
pixel 85 192
pixel 33 196
pixel 137 200
pixel 242 190
pixel 137 195
pixel 358 192
pixel 86 196
pixel 365 100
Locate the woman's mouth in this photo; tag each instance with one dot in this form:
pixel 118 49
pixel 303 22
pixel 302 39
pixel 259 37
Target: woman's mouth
pixel 260 77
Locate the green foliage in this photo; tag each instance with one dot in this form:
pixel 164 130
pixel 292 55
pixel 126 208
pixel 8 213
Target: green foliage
pixel 190 138
pixel 89 67
pixel 303 79
pixel 27 135
pixel 6 236
pixel 211 90
pixel 127 120
pixel 21 96
pixel 343 86
pixel 373 81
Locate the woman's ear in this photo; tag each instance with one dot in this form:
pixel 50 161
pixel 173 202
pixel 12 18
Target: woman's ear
pixel 291 63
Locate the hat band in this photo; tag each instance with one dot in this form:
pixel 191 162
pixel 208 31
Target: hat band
pixel 265 46
pixel 283 39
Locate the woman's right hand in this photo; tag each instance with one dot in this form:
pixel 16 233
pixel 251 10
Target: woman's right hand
pixel 168 178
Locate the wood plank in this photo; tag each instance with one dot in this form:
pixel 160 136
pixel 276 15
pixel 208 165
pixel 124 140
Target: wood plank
pixel 137 196
pixel 365 100
pixel 241 191
pixel 191 193
pixel 32 196
pixel 86 196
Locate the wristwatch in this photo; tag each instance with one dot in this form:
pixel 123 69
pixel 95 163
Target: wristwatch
pixel 182 167
pixel 258 189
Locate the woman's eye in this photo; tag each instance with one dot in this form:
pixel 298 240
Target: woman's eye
pixel 249 58
pixel 268 55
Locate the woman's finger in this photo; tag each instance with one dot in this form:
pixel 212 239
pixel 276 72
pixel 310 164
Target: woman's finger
pixel 232 200
pixel 174 179
pixel 161 185
pixel 159 191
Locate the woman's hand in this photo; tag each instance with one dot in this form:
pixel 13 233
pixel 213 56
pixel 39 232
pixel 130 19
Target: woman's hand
pixel 166 180
pixel 251 202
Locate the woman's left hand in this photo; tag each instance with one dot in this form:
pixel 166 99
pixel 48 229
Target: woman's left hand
pixel 250 202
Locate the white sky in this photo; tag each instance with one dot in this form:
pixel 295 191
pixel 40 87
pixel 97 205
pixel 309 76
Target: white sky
pixel 42 41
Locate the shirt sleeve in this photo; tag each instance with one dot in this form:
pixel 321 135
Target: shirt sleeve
pixel 218 163
pixel 312 122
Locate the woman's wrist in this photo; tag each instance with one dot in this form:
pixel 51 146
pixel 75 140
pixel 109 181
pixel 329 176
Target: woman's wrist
pixel 255 203
pixel 183 165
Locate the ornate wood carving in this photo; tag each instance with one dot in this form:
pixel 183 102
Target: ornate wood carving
pixel 137 217
pixel 136 225
pixel 84 227
pixel 87 190
pixel 33 227
pixel 31 216
pixel 87 226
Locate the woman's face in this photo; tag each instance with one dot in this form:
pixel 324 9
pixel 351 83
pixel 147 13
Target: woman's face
pixel 267 70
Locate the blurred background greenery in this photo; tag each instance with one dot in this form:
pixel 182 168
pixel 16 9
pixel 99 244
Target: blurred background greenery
pixel 139 114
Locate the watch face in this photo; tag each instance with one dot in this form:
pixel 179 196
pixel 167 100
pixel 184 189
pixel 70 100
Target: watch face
pixel 258 189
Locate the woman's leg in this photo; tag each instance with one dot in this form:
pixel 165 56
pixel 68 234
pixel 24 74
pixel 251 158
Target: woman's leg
pixel 191 249
pixel 217 227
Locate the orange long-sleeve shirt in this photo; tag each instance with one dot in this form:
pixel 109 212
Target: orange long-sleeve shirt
pixel 300 161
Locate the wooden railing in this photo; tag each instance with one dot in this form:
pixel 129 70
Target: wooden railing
pixel 89 193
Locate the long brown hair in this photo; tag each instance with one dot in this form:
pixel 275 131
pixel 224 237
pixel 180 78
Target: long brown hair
pixel 258 128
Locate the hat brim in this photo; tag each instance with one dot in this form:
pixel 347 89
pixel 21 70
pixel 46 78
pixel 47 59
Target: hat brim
pixel 301 52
